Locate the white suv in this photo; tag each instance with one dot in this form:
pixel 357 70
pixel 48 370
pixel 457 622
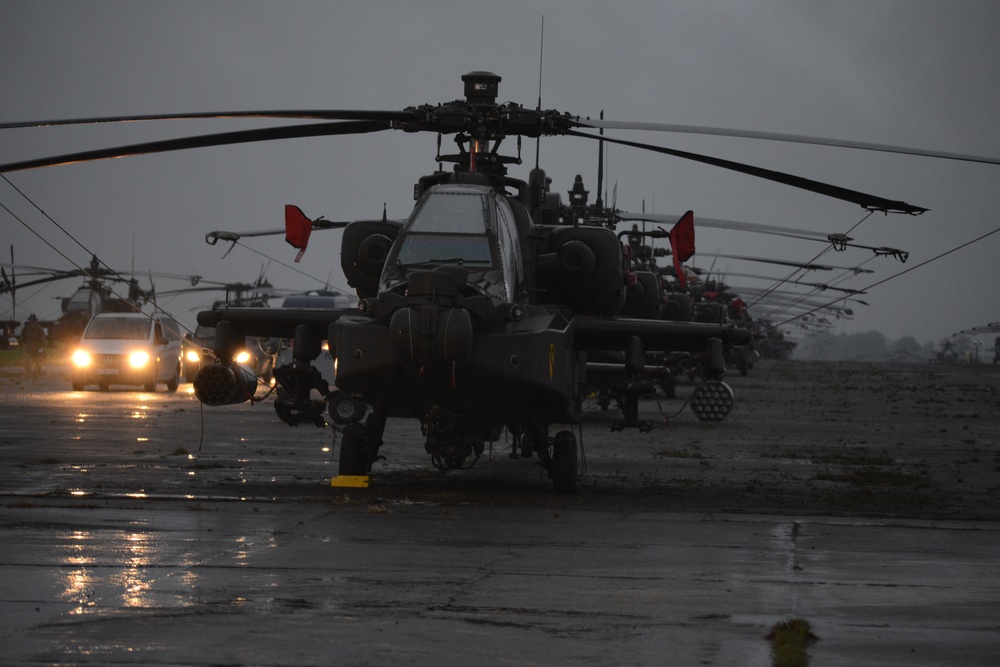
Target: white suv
pixel 130 349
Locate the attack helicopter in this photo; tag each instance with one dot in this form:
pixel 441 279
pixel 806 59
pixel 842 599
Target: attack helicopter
pixel 478 312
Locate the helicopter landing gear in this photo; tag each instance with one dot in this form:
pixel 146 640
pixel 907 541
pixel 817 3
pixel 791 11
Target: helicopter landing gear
pixel 627 398
pixel 354 451
pixel 359 447
pixel 451 439
pixel 520 448
pixel 294 404
pixel 668 385
pixel 344 409
pixel 562 463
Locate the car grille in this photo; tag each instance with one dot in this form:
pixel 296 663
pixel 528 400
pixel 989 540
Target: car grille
pixel 110 361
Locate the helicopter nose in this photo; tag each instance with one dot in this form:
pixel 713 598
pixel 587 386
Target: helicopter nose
pixel 428 332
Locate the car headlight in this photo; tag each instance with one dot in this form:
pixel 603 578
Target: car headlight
pixel 194 356
pixel 138 359
pixel 81 358
pixel 242 357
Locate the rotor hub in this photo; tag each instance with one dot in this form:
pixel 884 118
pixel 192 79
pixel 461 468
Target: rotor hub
pixel 481 87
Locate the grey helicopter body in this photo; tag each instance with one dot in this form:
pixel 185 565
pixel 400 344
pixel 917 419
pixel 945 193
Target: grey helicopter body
pixel 473 318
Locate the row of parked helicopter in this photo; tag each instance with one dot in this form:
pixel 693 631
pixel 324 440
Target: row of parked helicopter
pixel 701 301
pixel 494 306
pixel 651 292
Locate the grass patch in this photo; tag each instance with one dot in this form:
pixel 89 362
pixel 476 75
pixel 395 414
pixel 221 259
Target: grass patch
pixel 11 359
pixel 789 640
pixel 676 454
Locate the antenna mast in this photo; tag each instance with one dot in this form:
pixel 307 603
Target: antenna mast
pixel 541 52
pixel 600 169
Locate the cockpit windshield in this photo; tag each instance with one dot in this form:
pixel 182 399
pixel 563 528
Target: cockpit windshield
pixel 444 248
pixel 450 214
pixel 457 224
pixel 83 301
pixel 449 228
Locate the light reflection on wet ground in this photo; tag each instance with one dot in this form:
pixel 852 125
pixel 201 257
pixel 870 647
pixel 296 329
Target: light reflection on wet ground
pixel 165 540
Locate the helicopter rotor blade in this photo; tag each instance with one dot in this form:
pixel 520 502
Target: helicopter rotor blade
pixel 458 116
pixel 819 286
pixel 728 224
pixel 789 138
pixel 800 265
pixel 41 281
pixel 866 201
pixel 151 294
pixel 321 114
pixel 203 141
pixel 839 241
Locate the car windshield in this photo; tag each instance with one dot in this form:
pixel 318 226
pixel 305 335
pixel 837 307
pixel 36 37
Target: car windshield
pixel 118 328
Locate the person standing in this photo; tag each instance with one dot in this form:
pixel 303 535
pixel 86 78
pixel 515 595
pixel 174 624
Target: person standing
pixel 32 343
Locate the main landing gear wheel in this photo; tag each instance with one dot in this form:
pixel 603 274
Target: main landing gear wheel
pixel 354 451
pixel 563 466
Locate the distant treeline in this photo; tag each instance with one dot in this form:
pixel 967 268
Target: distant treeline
pixel 874 346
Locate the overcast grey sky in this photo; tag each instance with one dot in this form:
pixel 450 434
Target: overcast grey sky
pixel 922 74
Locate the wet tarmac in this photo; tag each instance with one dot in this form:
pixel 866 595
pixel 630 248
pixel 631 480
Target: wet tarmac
pixel 139 529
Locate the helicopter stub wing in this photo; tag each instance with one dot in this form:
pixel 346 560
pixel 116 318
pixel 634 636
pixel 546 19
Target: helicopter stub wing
pixel 273 322
pixel 610 333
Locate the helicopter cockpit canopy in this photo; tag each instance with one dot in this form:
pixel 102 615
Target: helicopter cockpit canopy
pixel 85 300
pixel 468 225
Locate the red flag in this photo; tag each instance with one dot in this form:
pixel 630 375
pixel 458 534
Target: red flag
pixel 682 244
pixel 297 229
